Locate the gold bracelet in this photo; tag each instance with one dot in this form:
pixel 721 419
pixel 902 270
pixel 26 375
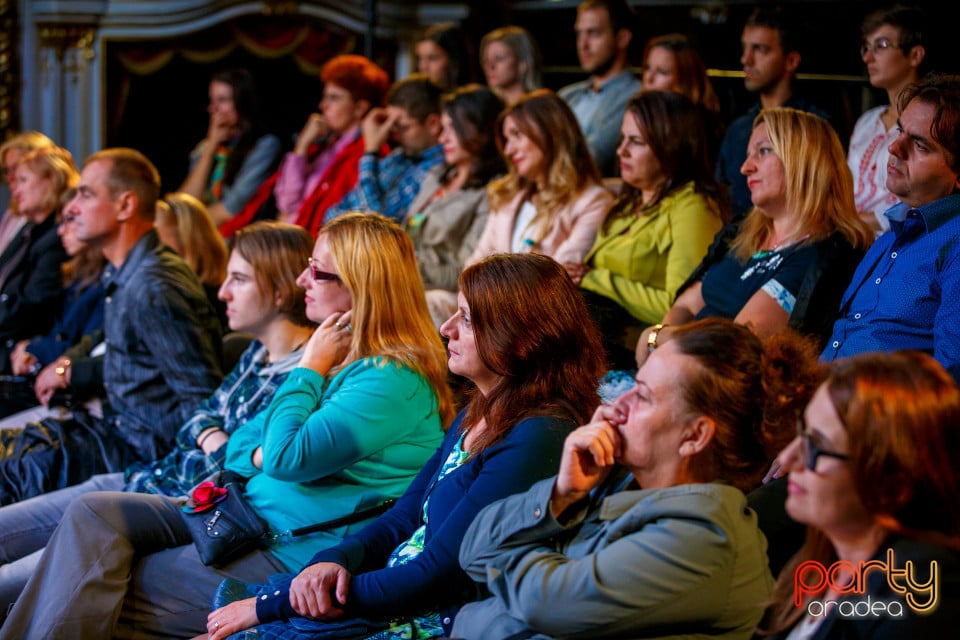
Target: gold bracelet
pixel 652 337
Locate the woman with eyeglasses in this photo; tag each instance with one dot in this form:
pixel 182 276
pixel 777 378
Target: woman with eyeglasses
pixel 895 55
pixel 645 530
pixel 351 426
pixel 399 577
pixel 872 474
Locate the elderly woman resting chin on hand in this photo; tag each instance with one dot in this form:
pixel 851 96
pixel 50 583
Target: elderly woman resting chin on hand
pixel 646 527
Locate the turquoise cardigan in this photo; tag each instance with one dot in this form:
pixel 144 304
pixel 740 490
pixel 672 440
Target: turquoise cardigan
pixel 640 261
pixel 335 445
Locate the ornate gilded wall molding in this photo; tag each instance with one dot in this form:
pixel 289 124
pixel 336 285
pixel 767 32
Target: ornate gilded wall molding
pixel 9 69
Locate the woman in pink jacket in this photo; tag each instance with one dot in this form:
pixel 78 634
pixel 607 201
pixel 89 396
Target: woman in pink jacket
pixel 552 200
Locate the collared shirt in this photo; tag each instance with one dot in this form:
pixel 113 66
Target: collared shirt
pixel 163 346
pixel 906 292
pixel 388 185
pixel 600 114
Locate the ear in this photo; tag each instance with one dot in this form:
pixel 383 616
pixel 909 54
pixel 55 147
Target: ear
pixel 361 108
pixel 791 62
pixel 128 206
pixel 697 435
pixel 624 36
pixel 916 55
pixel 432 123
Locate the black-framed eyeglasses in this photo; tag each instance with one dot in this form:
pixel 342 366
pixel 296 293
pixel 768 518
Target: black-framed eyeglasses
pixel 880 44
pixel 810 450
pixel 320 275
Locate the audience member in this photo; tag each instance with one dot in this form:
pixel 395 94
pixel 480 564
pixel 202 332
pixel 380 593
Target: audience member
pixel 31 280
pixel 445 55
pixel 658 230
pixel 369 393
pixel 771 41
pixel 10 153
pixel 872 473
pixel 510 59
pixel 400 574
pixel 412 117
pixel 324 164
pixel 184 225
pixel 551 200
pixel 645 530
pixel 81 314
pixel 905 292
pixel 671 63
pixel 604 30
pixel 162 341
pixel 448 215
pixel 263 300
pixel 893 50
pixel 790 259
pixel 237 154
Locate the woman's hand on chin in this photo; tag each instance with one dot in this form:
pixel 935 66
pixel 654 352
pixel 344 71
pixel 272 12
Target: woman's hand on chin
pixel 329 344
pixel 233 618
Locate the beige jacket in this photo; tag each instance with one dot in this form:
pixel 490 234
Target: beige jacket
pixel 568 240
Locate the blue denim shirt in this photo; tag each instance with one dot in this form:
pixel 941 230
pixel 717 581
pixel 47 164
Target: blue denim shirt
pixel 163 346
pixel 906 292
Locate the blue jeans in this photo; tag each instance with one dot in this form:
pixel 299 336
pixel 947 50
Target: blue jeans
pixel 26 526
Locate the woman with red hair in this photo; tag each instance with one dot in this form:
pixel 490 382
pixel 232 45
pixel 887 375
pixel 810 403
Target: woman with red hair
pixel 324 162
pixel 872 474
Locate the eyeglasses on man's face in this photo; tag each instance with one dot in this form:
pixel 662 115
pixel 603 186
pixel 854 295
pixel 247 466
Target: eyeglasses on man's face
pixel 810 451
pixel 320 275
pixel 880 44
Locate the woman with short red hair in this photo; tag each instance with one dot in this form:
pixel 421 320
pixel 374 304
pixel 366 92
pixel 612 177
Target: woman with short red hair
pixel 324 162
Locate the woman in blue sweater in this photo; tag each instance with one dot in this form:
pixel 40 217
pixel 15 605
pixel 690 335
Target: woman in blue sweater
pixel 350 427
pixel 399 576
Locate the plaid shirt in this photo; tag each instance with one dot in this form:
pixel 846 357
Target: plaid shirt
pixel 387 185
pixel 246 391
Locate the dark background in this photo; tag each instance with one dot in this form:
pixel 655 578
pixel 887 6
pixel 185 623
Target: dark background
pixel 164 114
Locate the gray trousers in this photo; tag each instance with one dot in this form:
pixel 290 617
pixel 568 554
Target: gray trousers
pixel 123 565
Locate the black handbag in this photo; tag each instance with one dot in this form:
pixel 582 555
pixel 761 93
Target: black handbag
pixel 224 526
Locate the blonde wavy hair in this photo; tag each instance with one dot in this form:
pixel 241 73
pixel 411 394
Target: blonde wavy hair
pixel 196 237
pixel 54 164
pixel 819 186
pixel 375 260
pixel 550 124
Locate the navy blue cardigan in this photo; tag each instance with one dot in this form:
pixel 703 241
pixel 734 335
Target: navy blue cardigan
pixel 434 580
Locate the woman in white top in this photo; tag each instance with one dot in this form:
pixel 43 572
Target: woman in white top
pixel 894 53
pixel 551 201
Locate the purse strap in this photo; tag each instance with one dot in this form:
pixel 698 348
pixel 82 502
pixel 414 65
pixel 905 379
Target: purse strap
pixel 350 518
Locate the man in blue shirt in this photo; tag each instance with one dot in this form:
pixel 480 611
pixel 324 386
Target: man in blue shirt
pixel 389 185
pixel 771 55
pixel 603 40
pixel 906 292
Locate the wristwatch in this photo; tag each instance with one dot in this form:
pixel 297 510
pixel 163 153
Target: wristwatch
pixel 652 337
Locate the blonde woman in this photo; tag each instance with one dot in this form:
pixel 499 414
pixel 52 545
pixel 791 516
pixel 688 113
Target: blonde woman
pixel 184 224
pixel 369 395
pixel 791 258
pixel 511 62
pixel 551 201
pixel 31 280
pixel 10 153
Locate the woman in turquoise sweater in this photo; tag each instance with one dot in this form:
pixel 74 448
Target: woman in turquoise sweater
pixel 399 576
pixel 658 230
pixel 350 427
